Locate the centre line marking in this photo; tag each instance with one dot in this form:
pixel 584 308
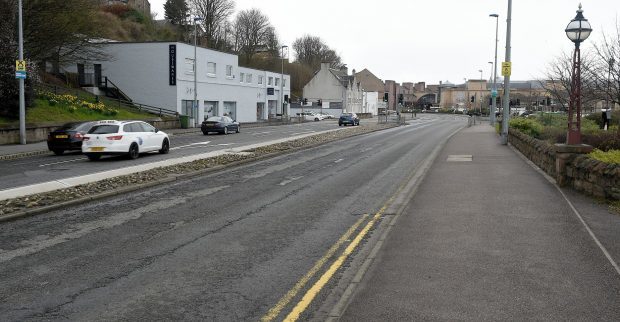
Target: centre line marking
pixel 275 311
pixel 72 160
pixel 339 160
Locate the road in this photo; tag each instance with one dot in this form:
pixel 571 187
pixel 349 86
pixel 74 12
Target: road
pixel 42 168
pixel 228 246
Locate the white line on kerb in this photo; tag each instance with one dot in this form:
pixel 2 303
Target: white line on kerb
pixel 339 160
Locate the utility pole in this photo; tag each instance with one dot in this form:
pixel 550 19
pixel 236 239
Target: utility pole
pixel 195 104
pixel 494 92
pixel 22 98
pixel 506 111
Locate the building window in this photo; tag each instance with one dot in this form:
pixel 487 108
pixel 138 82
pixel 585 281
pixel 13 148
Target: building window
pixel 187 108
pixel 189 66
pixel 260 79
pixel 230 110
pixel 211 69
pixel 284 82
pixel 270 81
pixel 229 71
pixel 248 78
pixel 277 82
pixel 241 77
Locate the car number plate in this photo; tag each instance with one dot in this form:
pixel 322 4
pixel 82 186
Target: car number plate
pixel 62 136
pixel 96 149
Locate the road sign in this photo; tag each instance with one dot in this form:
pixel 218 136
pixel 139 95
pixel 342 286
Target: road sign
pixel 20 65
pixel 506 68
pixel 494 93
pixel 20 74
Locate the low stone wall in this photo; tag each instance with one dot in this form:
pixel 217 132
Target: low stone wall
pixel 582 173
pixel 539 152
pixel 38 133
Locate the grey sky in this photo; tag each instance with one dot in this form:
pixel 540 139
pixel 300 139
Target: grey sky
pixel 433 40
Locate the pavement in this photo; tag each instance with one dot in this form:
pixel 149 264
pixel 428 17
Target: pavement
pixel 487 236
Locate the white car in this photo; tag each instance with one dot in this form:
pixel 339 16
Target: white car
pixel 123 138
pixel 311 116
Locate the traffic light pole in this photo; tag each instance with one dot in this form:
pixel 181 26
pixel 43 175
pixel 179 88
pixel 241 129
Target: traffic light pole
pixel 506 106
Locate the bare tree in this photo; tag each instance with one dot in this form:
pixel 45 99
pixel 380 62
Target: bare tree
pixel 559 77
pixel 311 51
pixel 251 32
pixel 215 14
pixel 606 67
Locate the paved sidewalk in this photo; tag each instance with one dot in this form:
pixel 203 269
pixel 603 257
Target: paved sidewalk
pixel 492 239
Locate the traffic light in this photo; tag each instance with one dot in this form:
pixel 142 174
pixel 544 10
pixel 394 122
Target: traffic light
pixel 320 102
pixel 286 98
pixel 518 102
pixel 305 101
pixel 385 97
pixel 490 101
pixel 511 103
pixel 401 98
pixel 472 99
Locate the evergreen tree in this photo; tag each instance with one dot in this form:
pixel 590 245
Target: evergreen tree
pixel 176 11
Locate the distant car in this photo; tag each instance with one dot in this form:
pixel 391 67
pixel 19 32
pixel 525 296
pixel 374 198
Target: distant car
pixel 310 116
pixel 68 137
pixel 326 115
pixel 128 138
pixel 348 118
pixel 220 124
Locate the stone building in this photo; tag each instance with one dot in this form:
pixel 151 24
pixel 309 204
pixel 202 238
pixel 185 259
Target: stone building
pixel 335 88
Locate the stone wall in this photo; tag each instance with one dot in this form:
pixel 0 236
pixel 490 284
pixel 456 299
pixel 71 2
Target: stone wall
pixel 582 173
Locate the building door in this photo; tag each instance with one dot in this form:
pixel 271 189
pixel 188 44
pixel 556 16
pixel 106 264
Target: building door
pixel 211 109
pixel 98 75
pixel 273 109
pixel 260 111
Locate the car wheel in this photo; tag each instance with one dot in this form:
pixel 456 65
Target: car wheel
pixel 225 130
pixel 316 119
pixel 205 132
pixel 339 124
pixel 93 157
pixel 134 152
pixel 58 151
pixel 238 128
pixel 165 147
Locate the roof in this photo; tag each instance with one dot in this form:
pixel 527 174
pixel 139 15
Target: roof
pixel 342 76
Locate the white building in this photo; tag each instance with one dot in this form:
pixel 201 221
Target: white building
pixel 335 87
pixel 370 102
pixel 161 74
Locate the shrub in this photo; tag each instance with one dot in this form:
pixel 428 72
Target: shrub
pixel 527 126
pixel 611 156
pixel 602 140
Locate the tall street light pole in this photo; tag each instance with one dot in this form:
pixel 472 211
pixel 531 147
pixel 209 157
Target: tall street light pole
pixel 577 31
pixel 284 112
pixel 22 98
pixel 195 104
pixel 481 90
pixel 506 110
pixel 494 90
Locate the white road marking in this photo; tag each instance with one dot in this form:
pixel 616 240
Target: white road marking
pixel 305 132
pixel 339 160
pixel 39 243
pixel 289 180
pixel 190 145
pixel 59 162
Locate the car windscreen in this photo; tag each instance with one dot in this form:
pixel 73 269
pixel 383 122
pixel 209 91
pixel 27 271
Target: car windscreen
pixel 83 127
pixel 103 129
pixel 214 119
pixel 346 115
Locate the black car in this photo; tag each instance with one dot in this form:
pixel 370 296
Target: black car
pixel 68 137
pixel 220 124
pixel 348 118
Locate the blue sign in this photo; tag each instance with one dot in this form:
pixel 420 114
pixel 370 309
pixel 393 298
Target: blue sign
pixel 494 93
pixel 20 74
pixel 270 91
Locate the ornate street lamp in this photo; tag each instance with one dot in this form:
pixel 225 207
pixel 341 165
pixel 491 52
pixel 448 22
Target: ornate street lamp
pixel 577 31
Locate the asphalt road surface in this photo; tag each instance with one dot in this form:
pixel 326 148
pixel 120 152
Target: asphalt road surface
pixel 227 246
pixel 42 168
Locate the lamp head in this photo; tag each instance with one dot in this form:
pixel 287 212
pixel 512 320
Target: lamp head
pixel 579 28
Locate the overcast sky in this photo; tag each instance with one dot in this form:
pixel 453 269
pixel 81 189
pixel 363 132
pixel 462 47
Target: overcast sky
pixel 433 40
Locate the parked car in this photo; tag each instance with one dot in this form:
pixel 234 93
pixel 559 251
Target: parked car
pixel 220 124
pixel 68 137
pixel 326 116
pixel 128 138
pixel 348 118
pixel 310 116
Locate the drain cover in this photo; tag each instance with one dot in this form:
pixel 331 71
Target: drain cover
pixel 459 158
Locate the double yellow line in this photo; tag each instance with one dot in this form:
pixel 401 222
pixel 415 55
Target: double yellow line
pixel 316 288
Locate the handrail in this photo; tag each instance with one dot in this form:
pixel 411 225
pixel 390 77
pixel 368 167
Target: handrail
pixel 107 80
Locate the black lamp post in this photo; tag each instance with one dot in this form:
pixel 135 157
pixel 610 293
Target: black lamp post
pixel 577 31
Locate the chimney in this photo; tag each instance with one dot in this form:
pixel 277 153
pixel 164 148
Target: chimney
pixel 344 69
